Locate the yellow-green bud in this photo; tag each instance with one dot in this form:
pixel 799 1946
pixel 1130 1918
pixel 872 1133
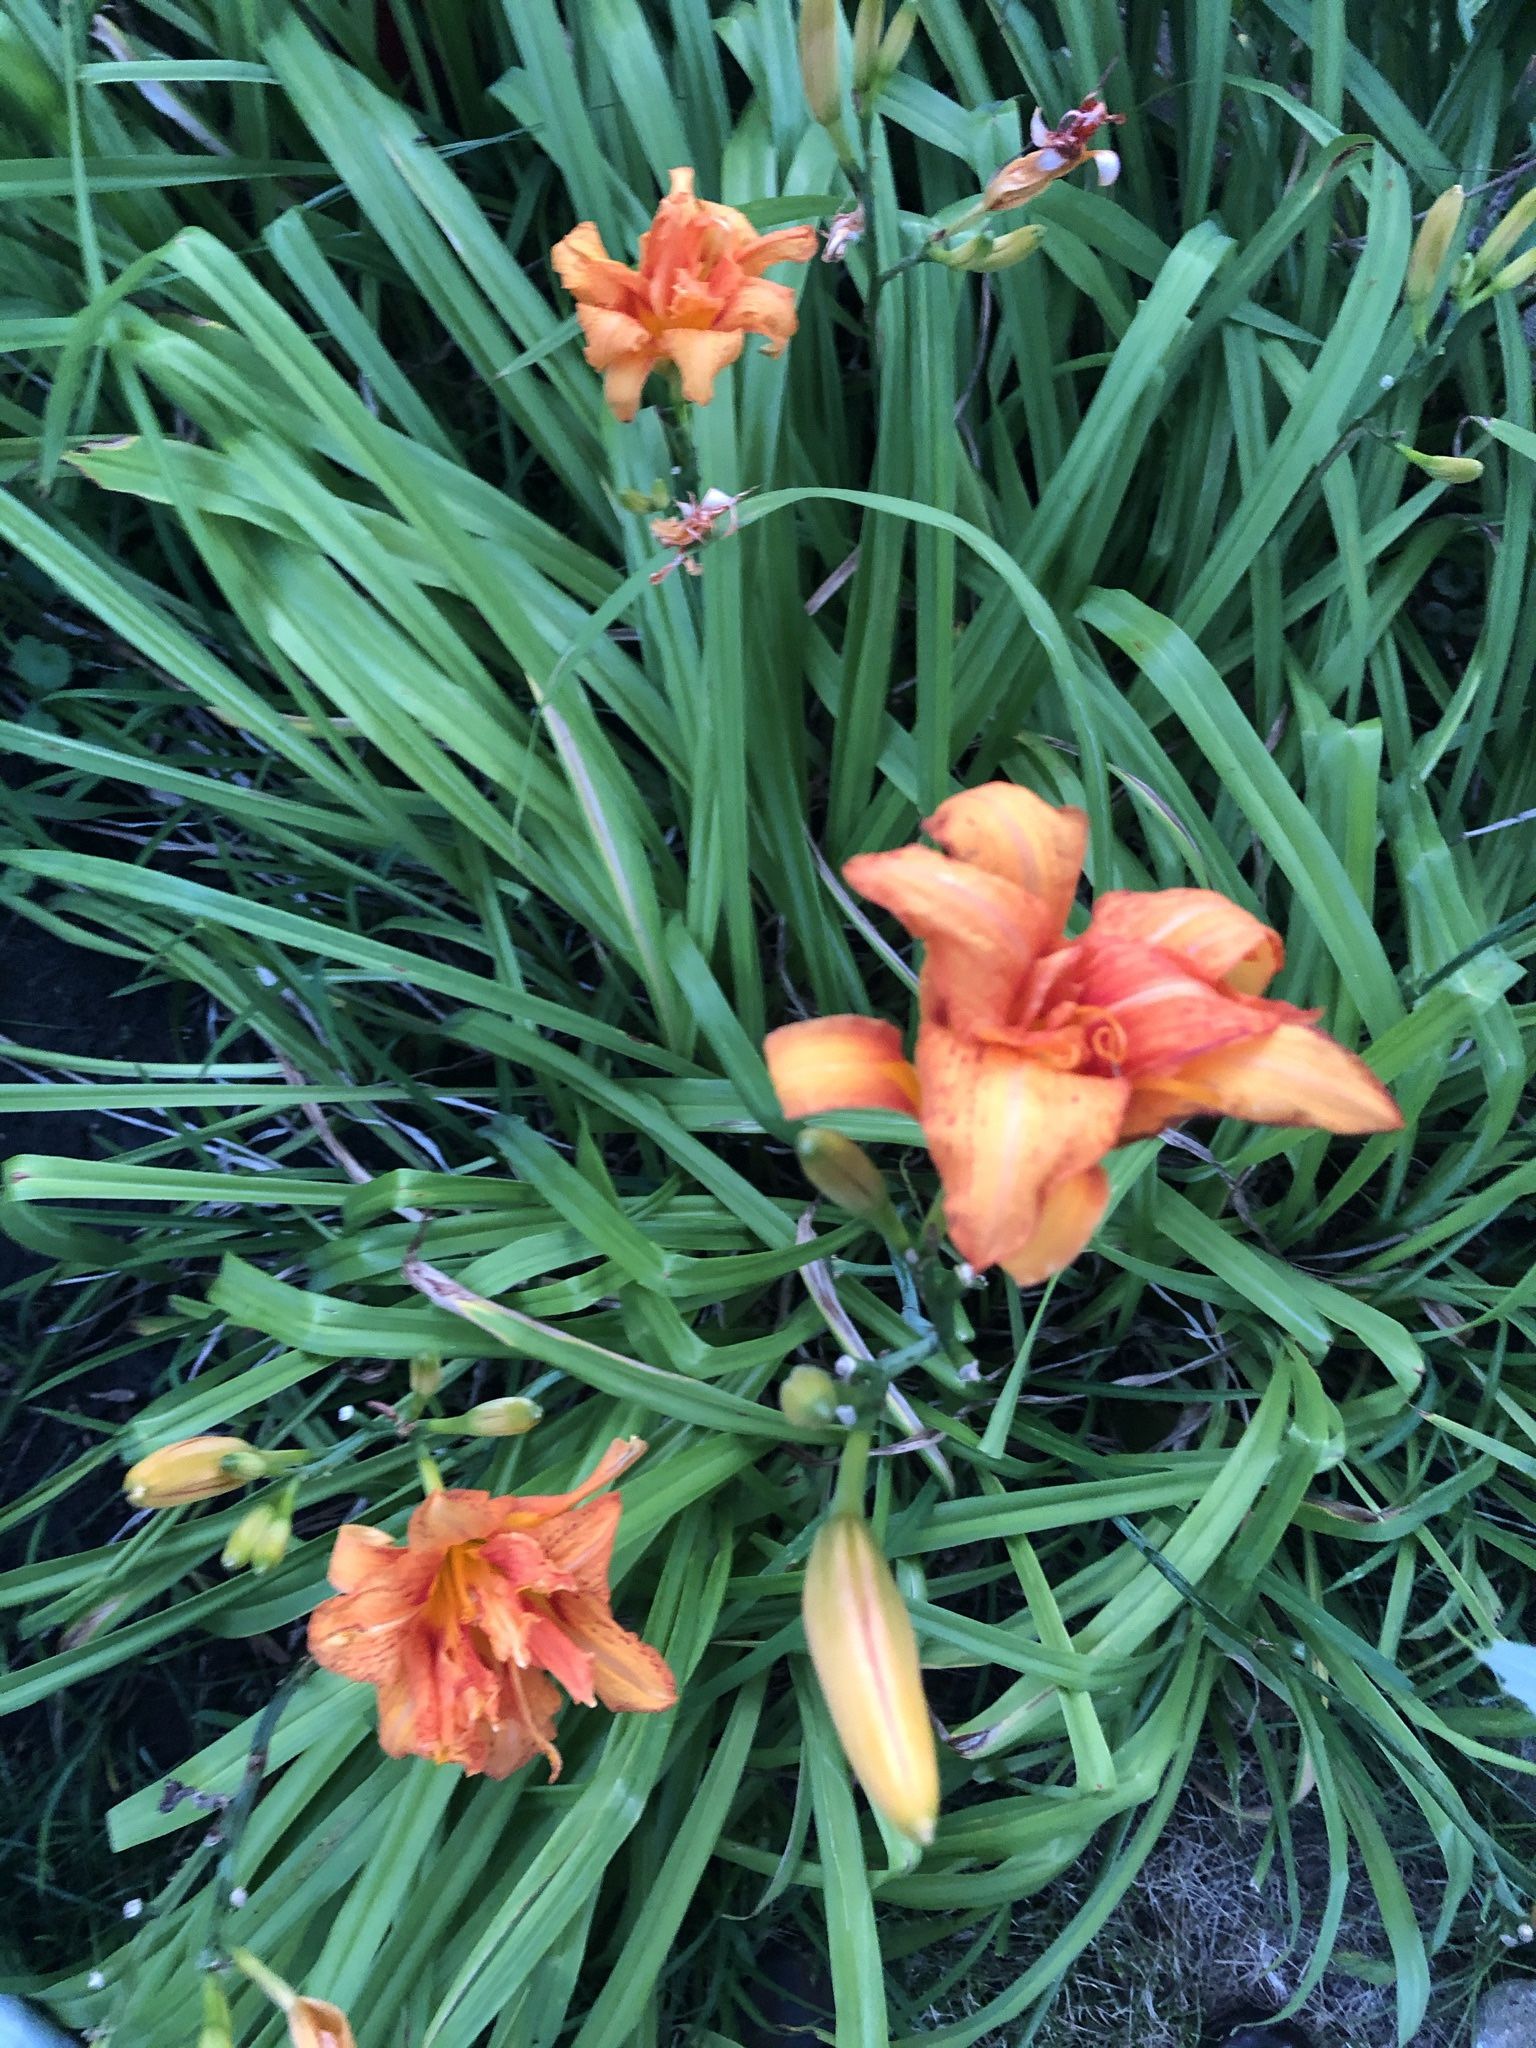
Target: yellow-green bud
pixel 426 1374
pixel 1520 218
pixel 893 47
pixel 260 1537
pixel 215 2031
pixel 868 26
pixel 821 24
pixel 1514 274
pixel 1445 469
pixel 810 1397
pixel 428 1471
pixel 843 1172
pixel 512 1415
pixel 195 1469
pixel 1006 250
pixel 1424 286
pixel 964 256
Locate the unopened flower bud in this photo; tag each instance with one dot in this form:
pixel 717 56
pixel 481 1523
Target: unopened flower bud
pixel 512 1415
pixel 215 2032
pixel 1423 288
pixel 1514 274
pixel 820 67
pixel 862 1644
pixel 809 1397
pixel 868 27
pixel 846 229
pixel 428 1472
pixel 426 1374
pixel 843 1172
pixel 312 2022
pixel 260 1537
pixel 1006 250
pixel 195 1469
pixel 893 45
pixel 1519 220
pixel 1445 469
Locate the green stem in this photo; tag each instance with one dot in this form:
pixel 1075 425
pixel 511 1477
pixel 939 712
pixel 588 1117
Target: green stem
pixel 848 1497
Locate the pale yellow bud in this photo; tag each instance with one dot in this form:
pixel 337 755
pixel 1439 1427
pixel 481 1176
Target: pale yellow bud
pixel 512 1415
pixel 821 24
pixel 195 1469
pixel 1006 250
pixel 862 1644
pixel 810 1397
pixel 1445 469
pixel 868 25
pixel 844 1173
pixel 893 46
pixel 1424 286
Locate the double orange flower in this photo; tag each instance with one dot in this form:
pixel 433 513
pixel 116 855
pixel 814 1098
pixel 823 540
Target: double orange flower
pixel 1037 1054
pixel 697 295
pixel 464 1628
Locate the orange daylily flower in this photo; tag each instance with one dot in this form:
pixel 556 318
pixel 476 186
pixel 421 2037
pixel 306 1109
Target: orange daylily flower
pixel 697 295
pixel 464 1627
pixel 1038 1054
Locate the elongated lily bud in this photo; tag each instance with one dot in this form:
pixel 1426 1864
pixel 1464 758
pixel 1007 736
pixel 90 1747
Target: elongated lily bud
pixel 1424 286
pixel 868 26
pixel 1519 220
pixel 426 1372
pixel 195 1469
pixel 865 1653
pixel 893 44
pixel 820 67
pixel 809 1397
pixel 1513 274
pixel 844 1173
pixel 1006 250
pixel 1445 469
pixel 512 1415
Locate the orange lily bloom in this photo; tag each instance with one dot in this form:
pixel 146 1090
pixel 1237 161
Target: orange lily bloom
pixel 1038 1054
pixel 698 293
pixel 464 1627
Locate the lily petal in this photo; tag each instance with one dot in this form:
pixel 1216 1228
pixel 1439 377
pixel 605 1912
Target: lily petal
pixel 1004 1133
pixel 1068 1217
pixel 1220 940
pixel 610 335
pixel 531 1508
pixel 1292 1076
pixel 700 355
pixel 628 1675
pixel 1167 1015
pixel 1020 838
pixel 783 245
pixel 982 933
pixel 588 272
pixel 840 1063
pixel 624 381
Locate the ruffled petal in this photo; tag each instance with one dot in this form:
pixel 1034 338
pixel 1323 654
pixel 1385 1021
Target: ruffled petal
pixel 763 308
pixel 1294 1075
pixel 628 1675
pixel 557 1653
pixel 700 355
pixel 454 1514
pixel 624 381
pixel 361 1635
pixel 840 1063
pixel 1018 837
pixel 360 1556
pixel 1168 1015
pixel 610 335
pixel 527 1731
pixel 1220 940
pixel 1003 1133
pixel 579 1545
pixel 783 245
pixel 589 273
pixel 1068 1217
pixel 982 933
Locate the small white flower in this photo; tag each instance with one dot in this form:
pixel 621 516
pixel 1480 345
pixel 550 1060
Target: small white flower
pixel 96 1981
pixel 238 1896
pixel 1388 381
pixel 847 1414
pixel 346 1413
pixel 132 1908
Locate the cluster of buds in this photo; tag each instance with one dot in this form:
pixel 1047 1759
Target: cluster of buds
pixel 1474 276
pixel 260 1538
pixel 878 49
